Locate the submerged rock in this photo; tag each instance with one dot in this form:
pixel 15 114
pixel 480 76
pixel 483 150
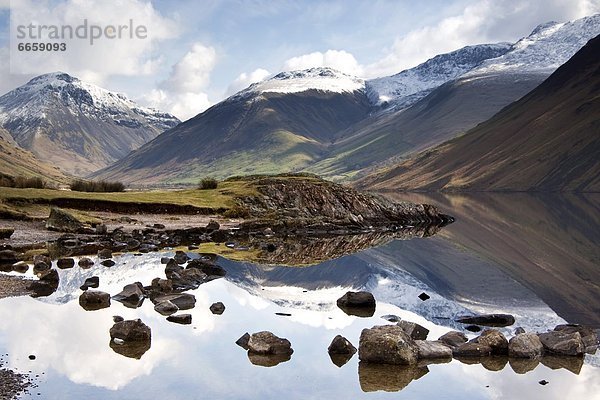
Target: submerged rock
pixel 183 319
pixel 267 343
pixel 496 320
pixel 132 295
pixel 428 350
pixel 92 300
pixel 65 263
pixel 341 345
pixel 217 308
pixel 166 308
pixel 387 344
pixel 360 304
pixel 453 338
pixel 472 350
pixel 92 282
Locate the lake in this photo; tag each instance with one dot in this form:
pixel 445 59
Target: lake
pixel 535 257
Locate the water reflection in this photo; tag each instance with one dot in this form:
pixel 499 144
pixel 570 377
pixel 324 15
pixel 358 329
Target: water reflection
pixel 548 244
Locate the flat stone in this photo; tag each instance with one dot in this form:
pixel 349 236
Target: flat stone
pixel 472 350
pixel 454 338
pixel 497 320
pixel 183 319
pixel 433 350
pixel 166 308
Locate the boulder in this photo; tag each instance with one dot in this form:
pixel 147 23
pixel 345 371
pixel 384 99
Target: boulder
pixel 472 350
pixel 65 263
pixel 105 254
pixel 85 263
pixel 92 300
pixel 184 301
pixel 495 339
pixel 453 338
pixel 166 308
pixel 267 343
pixel 496 320
pixel 108 263
pixel 92 282
pixel 525 345
pixel 131 331
pixel 430 350
pixel 243 341
pixel 415 331
pixel 183 319
pixel 61 221
pixel 217 308
pixel 341 345
pixel 588 335
pixel 387 344
pixel 563 343
pixel 132 295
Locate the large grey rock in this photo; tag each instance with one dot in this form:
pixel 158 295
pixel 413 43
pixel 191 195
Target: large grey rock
pixel 387 344
pixel 61 221
pixel 131 331
pixel 495 339
pixel 132 295
pixel 453 338
pixel 267 343
pixel 525 345
pixel 563 343
pixel 430 350
pixel 414 330
pixel 498 320
pixel 92 300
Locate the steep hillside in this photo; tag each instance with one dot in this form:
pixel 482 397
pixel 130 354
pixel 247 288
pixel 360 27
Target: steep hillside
pixel 458 105
pixel 14 161
pixel 77 126
pixel 547 141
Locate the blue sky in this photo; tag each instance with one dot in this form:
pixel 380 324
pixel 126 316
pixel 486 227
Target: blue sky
pixel 202 51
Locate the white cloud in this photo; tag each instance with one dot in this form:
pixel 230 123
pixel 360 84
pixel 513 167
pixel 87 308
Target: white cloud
pixel 181 93
pixel 246 79
pixel 129 55
pixel 337 59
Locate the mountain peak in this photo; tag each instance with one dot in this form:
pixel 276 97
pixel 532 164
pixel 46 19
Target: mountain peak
pixel 324 79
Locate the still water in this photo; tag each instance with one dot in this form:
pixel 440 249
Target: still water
pixel 535 258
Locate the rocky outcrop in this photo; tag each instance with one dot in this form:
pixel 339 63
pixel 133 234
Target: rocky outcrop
pixel 301 201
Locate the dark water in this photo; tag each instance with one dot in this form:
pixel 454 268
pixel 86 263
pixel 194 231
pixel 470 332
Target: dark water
pixel 534 258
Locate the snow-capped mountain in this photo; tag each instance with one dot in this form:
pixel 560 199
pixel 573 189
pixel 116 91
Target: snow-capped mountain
pixel 549 46
pixel 409 86
pixel 322 78
pixel 77 126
